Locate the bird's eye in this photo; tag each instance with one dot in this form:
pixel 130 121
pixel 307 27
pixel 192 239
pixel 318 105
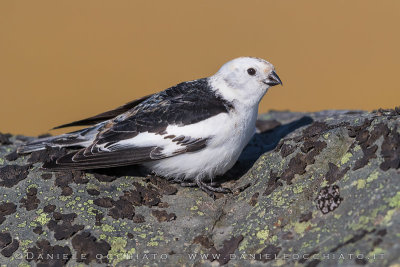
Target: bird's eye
pixel 251 71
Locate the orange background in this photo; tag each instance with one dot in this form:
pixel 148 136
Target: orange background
pixel 63 61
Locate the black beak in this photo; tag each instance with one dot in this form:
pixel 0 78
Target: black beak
pixel 273 79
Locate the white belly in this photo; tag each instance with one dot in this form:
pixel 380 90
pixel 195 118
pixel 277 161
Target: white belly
pixel 230 134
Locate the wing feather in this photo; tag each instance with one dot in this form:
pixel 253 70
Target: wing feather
pixel 105 115
pixel 94 158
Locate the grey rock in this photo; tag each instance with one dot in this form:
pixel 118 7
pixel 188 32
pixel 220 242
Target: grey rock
pixel 317 189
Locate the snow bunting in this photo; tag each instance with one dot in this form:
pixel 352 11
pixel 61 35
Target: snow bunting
pixel 188 133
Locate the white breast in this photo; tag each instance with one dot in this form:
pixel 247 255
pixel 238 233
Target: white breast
pixel 229 132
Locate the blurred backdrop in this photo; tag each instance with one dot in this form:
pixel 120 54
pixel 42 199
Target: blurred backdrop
pixel 64 61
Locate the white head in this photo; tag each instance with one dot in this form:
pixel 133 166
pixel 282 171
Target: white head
pixel 245 79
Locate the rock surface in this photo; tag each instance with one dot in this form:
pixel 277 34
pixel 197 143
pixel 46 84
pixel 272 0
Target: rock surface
pixel 317 189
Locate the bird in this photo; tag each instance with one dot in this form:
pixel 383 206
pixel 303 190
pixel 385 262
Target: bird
pixel 189 133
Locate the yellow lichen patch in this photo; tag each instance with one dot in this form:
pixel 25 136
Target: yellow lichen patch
pixel 142 236
pixel 373 176
pixel 361 183
pixel 361 224
pixel 297 189
pixel 346 157
pixel 42 219
pixel 278 200
pixel 25 243
pixel 90 211
pixel 261 214
pixel 107 228
pixel 117 252
pixel 301 228
pixel 152 244
pixel 376 254
pixel 64 198
pixel 315 229
pixel 394 202
pixel 324 183
pixel 280 262
pixel 22 225
pixel 243 245
pixel 71 203
pixel 31 186
pixel 388 217
pixel 263 235
pixel 92 186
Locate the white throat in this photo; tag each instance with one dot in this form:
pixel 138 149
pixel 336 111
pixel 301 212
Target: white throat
pixel 236 95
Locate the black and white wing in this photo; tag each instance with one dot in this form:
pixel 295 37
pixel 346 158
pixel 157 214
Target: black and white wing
pixel 140 134
pixel 105 115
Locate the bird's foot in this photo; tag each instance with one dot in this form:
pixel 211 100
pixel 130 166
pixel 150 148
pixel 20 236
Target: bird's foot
pixel 194 184
pixel 185 184
pixel 212 188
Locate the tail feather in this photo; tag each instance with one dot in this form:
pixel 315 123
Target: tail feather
pixel 80 138
pixel 66 162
